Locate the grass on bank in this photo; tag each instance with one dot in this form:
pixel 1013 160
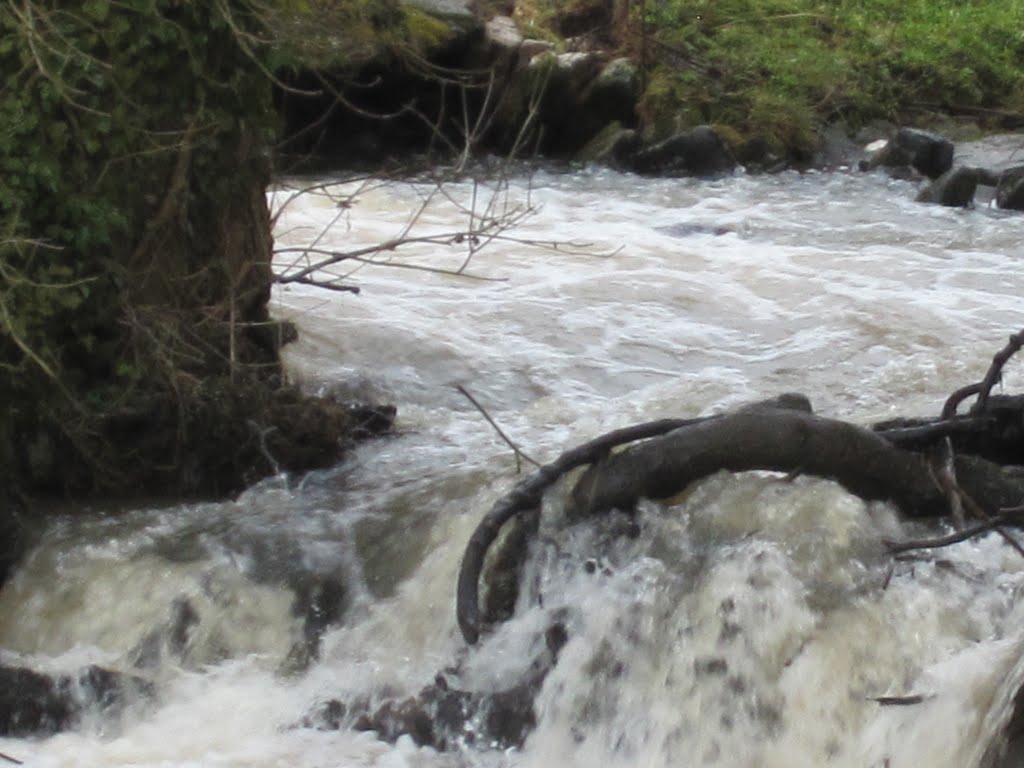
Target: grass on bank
pixel 780 69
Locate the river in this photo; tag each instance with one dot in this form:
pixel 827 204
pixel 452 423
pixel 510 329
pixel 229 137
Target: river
pixel 752 622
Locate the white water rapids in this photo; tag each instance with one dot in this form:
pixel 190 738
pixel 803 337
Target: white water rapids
pixel 753 623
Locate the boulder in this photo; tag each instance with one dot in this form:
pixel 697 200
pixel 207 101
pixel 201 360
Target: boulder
pixel 613 94
pixel 836 149
pixel 455 11
pixel 531 48
pixel 503 35
pixel 554 85
pixel 32 703
pixel 443 716
pixel 954 188
pixel 1010 189
pixel 927 153
pixel 698 152
pixel 613 145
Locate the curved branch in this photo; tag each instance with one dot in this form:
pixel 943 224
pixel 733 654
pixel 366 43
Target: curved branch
pixel 917 434
pixel 780 435
pixel 863 462
pixel 526 495
pixel 1011 517
pixel 995 370
pixel 984 388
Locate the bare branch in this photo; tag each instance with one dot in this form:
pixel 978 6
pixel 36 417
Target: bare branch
pixel 984 388
pixel 508 441
pixel 328 285
pixel 491 216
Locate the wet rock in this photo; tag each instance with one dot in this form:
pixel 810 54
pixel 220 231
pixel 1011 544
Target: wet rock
pixel 412 717
pixel 693 228
pixel 442 717
pixel 987 177
pixel 371 420
pixel 954 188
pixel 503 35
pixel 836 149
pixel 1010 189
pixel 105 690
pixel 456 11
pixel 272 335
pixel 714 666
pixel 14 533
pixel 583 93
pixel 531 48
pixel 613 94
pixel 698 152
pixel 330 717
pixel 553 86
pixel 320 603
pixel 32 703
pixel 927 153
pixel 170 640
pixel 612 146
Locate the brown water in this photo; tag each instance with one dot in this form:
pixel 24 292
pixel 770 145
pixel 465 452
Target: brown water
pixel 753 624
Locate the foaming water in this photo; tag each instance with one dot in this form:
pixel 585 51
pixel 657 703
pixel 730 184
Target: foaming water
pixel 754 621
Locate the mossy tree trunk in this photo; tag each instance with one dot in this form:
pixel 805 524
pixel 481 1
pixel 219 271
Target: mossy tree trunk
pixel 136 352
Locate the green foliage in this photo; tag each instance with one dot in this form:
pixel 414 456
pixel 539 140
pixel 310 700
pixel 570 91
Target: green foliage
pixel 423 32
pixel 330 35
pixel 120 124
pixel 777 69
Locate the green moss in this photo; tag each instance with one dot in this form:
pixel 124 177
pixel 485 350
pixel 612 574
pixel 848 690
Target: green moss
pixel 133 229
pixel 424 32
pixel 780 68
pixel 327 35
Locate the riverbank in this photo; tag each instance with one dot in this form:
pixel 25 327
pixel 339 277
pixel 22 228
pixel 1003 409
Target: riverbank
pixel 726 291
pixel 771 78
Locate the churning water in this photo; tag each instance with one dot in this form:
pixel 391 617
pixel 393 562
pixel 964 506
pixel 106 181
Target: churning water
pixel 752 622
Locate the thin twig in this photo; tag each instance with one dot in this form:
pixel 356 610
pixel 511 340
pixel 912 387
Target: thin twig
pixel 328 285
pixel 1008 516
pixel 901 701
pixel 942 541
pixel 261 434
pixel 10 759
pixel 996 369
pixel 926 433
pixel 508 441
pixel 943 474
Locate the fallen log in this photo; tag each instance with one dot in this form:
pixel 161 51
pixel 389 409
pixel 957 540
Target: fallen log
pixel 926 467
pixel 526 496
pixel 860 460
